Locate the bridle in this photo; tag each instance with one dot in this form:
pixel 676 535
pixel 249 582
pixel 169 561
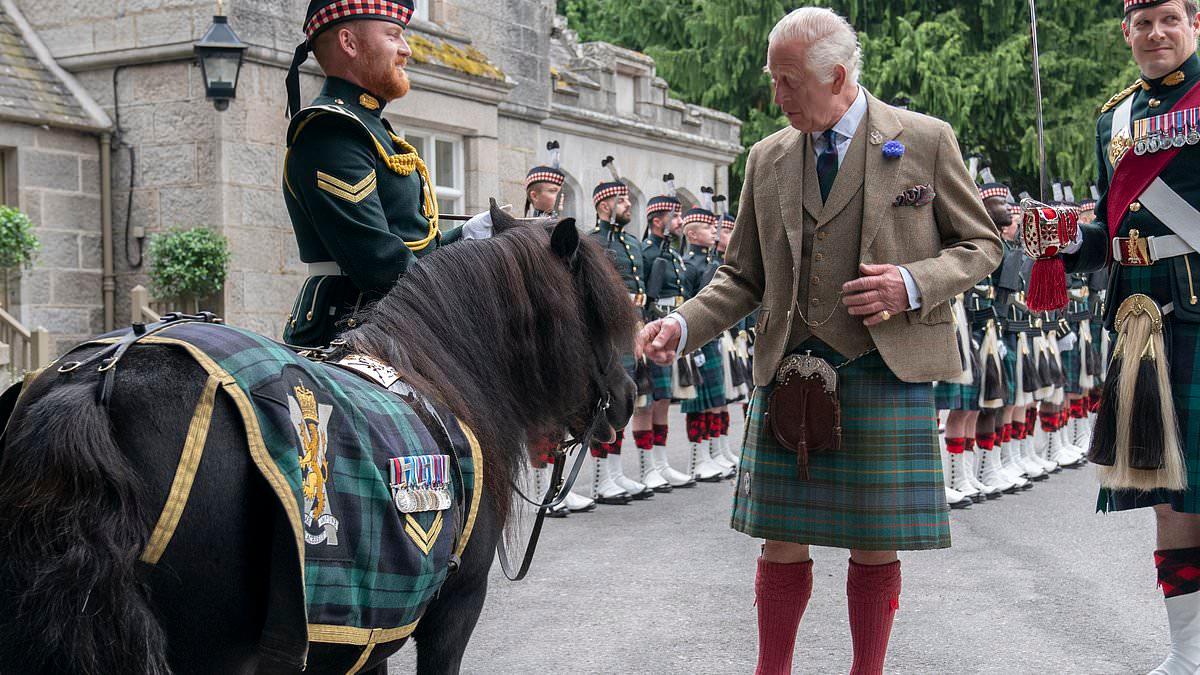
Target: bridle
pixel 559 487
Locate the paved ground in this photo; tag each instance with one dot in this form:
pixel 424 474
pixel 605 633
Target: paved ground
pixel 1035 583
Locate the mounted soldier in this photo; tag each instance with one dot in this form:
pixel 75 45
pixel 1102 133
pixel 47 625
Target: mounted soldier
pixel 361 201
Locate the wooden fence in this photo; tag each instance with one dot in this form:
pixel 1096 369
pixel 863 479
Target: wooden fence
pixel 21 350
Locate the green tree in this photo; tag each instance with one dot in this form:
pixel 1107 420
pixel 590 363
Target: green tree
pixel 967 63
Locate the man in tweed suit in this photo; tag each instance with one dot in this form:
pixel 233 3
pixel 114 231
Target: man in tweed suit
pixel 857 225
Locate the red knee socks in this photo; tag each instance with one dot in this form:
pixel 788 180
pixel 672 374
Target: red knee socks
pixel 660 434
pixel 781 592
pixel 643 439
pixel 873 596
pixel 695 427
pixel 955 446
pixel 1178 571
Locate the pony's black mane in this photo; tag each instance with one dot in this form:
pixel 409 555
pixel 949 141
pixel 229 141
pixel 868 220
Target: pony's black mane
pixel 506 334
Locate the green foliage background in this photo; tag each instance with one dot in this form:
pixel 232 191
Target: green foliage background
pixel 187 264
pixel 18 243
pixel 968 63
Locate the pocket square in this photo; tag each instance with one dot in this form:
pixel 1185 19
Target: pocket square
pixel 917 195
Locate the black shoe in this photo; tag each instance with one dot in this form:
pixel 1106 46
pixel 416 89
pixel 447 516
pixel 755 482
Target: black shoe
pixel 963 503
pixel 646 493
pixel 560 512
pixel 995 495
pixel 664 488
pixel 619 499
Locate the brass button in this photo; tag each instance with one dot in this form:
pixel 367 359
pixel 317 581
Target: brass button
pixel 816 301
pixel 339 101
pixel 1135 207
pixel 816 281
pixel 818 256
pixel 1154 103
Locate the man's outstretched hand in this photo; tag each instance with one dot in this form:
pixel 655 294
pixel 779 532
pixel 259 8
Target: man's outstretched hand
pixel 659 340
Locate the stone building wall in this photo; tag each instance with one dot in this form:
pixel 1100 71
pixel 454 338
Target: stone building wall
pixel 483 72
pixel 57 184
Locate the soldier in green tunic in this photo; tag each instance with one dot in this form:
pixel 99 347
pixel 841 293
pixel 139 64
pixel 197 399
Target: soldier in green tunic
pixel 613 214
pixel 700 230
pixel 1148 147
pixel 360 199
pixel 662 267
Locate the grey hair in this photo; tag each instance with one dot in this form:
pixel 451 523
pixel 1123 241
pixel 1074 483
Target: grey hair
pixel 830 40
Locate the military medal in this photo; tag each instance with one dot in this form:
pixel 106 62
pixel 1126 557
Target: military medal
pixel 420 483
pixel 1193 125
pixel 1179 138
pixel 1152 137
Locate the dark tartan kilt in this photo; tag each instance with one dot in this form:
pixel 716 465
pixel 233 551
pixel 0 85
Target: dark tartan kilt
pixel 952 396
pixel 1070 364
pixel 1183 360
pixel 1010 369
pixel 661 375
pixel 710 393
pixel 882 490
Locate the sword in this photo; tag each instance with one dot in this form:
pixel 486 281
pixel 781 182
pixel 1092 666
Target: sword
pixel 1037 93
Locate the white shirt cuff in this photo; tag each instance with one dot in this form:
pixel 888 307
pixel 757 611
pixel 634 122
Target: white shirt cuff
pixel 914 293
pixel 1076 243
pixel 678 318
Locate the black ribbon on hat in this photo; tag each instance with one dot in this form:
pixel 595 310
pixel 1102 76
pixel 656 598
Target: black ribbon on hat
pixel 293 79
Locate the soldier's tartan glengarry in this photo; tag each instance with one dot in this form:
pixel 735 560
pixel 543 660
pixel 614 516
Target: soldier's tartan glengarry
pixel 358 470
pixel 881 490
pixel 710 391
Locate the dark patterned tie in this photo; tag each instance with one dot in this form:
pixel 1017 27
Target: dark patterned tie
pixel 827 164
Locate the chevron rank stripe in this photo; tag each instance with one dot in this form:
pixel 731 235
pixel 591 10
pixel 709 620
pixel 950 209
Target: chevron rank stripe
pixel 424 539
pixel 343 190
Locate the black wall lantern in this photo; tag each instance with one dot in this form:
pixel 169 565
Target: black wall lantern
pixel 220 53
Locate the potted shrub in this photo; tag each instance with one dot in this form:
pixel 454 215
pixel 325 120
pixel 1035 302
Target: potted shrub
pixel 18 245
pixel 187 266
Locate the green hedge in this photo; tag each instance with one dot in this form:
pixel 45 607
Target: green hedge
pixel 18 244
pixel 187 264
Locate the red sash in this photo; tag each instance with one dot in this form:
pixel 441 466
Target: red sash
pixel 1135 173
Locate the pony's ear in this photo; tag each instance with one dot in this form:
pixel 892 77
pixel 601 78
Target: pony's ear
pixel 564 241
pixel 501 219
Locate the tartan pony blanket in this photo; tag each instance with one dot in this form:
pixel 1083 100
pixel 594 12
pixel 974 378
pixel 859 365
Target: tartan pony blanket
pixel 380 484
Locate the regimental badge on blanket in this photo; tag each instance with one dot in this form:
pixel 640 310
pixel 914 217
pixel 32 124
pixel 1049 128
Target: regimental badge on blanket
pixel 420 483
pixel 310 419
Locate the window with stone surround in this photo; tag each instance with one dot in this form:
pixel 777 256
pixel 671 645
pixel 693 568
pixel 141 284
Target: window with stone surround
pixel 443 155
pixel 421 9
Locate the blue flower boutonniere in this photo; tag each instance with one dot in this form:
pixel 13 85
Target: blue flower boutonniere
pixel 893 149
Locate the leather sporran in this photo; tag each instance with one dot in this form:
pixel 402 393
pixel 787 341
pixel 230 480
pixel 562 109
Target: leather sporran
pixel 803 412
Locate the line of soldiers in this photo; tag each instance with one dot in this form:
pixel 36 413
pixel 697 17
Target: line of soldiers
pixel 678 255
pixel 1024 406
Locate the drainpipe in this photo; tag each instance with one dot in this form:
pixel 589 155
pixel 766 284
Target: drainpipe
pixel 108 283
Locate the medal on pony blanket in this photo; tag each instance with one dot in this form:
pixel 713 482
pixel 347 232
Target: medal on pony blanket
pixel 420 483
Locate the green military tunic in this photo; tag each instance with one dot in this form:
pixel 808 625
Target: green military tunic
pixel 625 251
pixel 1174 279
pixel 663 268
pixel 361 205
pixel 700 264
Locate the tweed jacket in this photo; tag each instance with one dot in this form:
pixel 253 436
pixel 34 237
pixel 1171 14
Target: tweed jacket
pixel 786 239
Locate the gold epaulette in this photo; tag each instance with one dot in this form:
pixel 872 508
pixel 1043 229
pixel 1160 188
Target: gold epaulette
pixel 1120 96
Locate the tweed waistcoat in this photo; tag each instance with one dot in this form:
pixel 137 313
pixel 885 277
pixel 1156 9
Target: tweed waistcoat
pixel 830 253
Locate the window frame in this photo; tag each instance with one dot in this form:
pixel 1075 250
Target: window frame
pixel 445 193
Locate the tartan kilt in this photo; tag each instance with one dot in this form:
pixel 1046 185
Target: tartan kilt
pixel 710 392
pixel 1010 369
pixel 1071 365
pixel 954 396
pixel 1183 361
pixel 882 490
pixel 661 375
